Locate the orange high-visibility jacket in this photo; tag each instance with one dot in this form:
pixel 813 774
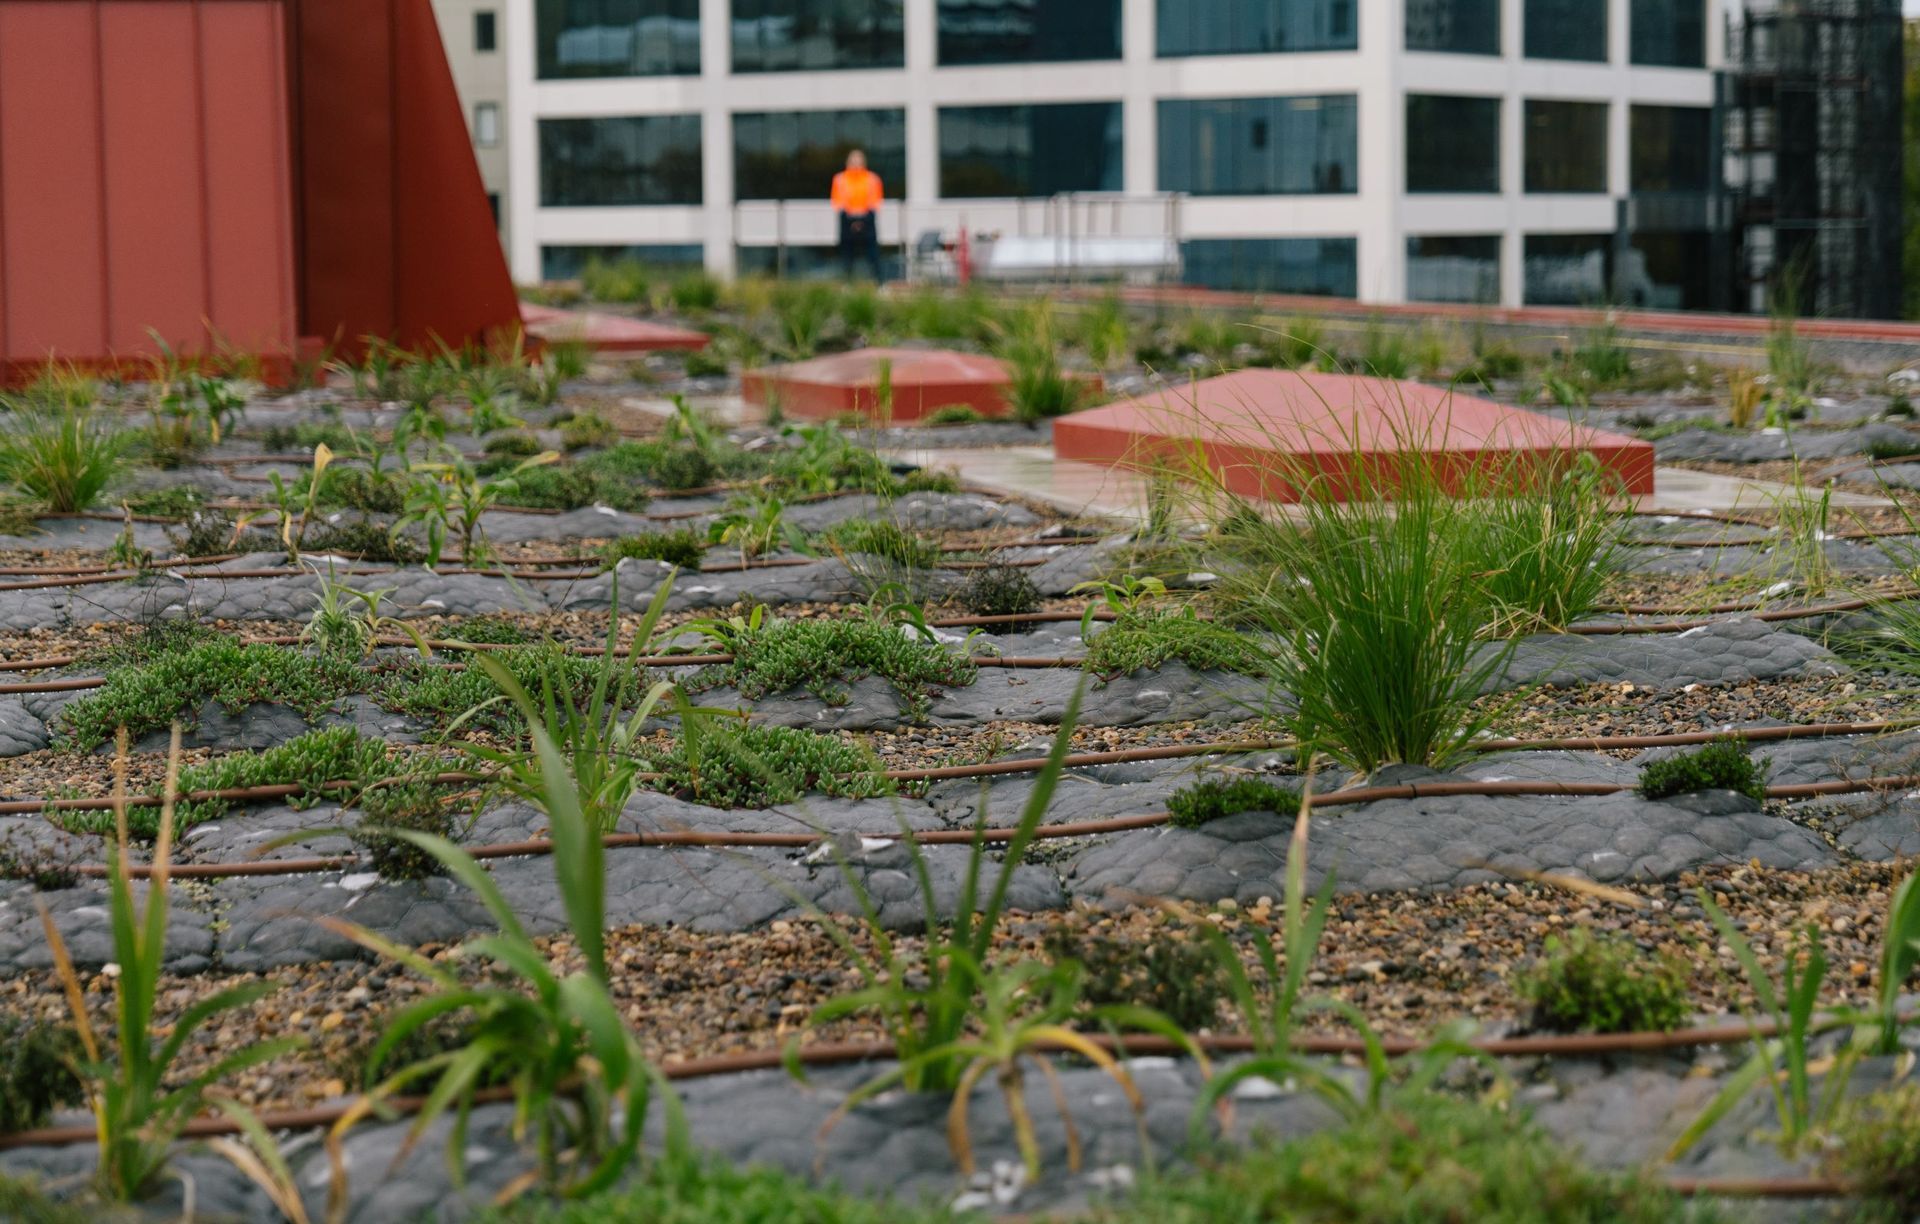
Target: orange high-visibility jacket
pixel 857 191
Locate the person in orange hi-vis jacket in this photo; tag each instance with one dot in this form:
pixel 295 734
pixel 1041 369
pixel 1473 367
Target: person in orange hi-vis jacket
pixel 856 201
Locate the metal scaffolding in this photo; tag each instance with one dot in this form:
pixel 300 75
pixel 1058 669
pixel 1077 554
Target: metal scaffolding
pixel 1811 98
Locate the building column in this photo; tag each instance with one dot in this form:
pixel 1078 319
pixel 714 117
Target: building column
pixel 1380 252
pixel 522 136
pixel 1139 109
pixel 923 122
pixel 1513 144
pixel 716 137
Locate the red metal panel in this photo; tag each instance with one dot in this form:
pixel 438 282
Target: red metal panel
pixel 344 126
pixel 143 179
pixel 249 176
pixel 152 196
pixel 50 182
pixel 396 237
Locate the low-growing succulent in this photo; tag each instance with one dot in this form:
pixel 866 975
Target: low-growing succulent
pixel 684 548
pixel 36 1072
pixel 882 538
pixel 584 429
pixel 758 766
pixel 1203 802
pixel 1877 1152
pixel 1721 765
pixel 1598 984
pixel 1174 973
pixel 174 683
pixel 998 590
pixel 1146 639
pixel 415 805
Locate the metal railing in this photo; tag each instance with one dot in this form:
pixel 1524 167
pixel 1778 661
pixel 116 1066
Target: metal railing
pixel 1078 229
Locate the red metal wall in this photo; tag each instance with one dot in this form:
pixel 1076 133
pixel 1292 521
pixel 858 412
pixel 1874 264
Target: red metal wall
pixel 397 239
pixel 144 178
pixel 256 173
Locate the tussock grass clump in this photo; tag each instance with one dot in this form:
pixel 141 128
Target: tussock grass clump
pixel 684 548
pixel 1549 552
pixel 173 682
pixel 1592 984
pixel 824 656
pixel 758 766
pixel 1381 620
pixel 62 458
pixel 1721 765
pixel 1038 386
pixel 1204 802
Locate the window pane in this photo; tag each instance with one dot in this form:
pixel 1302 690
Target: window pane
pixel 567 262
pixel 1029 150
pixel 793 155
pixel 1566 30
pixel 1453 144
pixel 1028 31
pixel 628 159
pixel 601 38
pixel 1323 266
pixel 485 35
pixel 1668 33
pixel 1567 269
pixel 1669 272
pixel 486 124
pixel 1566 147
pixel 1454 268
pixel 1259 146
pixel 1469 27
pixel 802 35
pixel 1670 148
pixel 1247 27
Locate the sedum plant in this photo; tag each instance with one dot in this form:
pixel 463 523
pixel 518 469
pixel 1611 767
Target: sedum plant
pixel 1193 806
pixel 1720 765
pixel 1588 984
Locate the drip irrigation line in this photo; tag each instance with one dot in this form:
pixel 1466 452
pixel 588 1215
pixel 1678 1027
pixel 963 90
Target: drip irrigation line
pixel 1598 743
pixel 691 838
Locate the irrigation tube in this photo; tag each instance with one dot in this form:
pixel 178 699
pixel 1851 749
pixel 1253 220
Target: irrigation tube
pixel 688 838
pixel 937 773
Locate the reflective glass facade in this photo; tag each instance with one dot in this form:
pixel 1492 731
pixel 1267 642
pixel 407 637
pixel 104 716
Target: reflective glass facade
pixel 1453 144
pixel 1028 31
pixel 812 35
pixel 1254 27
pixel 1029 150
pixel 1260 146
pixel 793 155
pixel 1567 269
pixel 1322 266
pixel 1566 147
pixel 1565 30
pixel 620 160
pixel 1668 33
pixel 1465 27
pixel 1670 148
pixel 1454 268
pixel 614 38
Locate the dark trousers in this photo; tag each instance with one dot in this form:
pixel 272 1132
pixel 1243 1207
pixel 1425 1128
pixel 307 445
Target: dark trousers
pixel 860 235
